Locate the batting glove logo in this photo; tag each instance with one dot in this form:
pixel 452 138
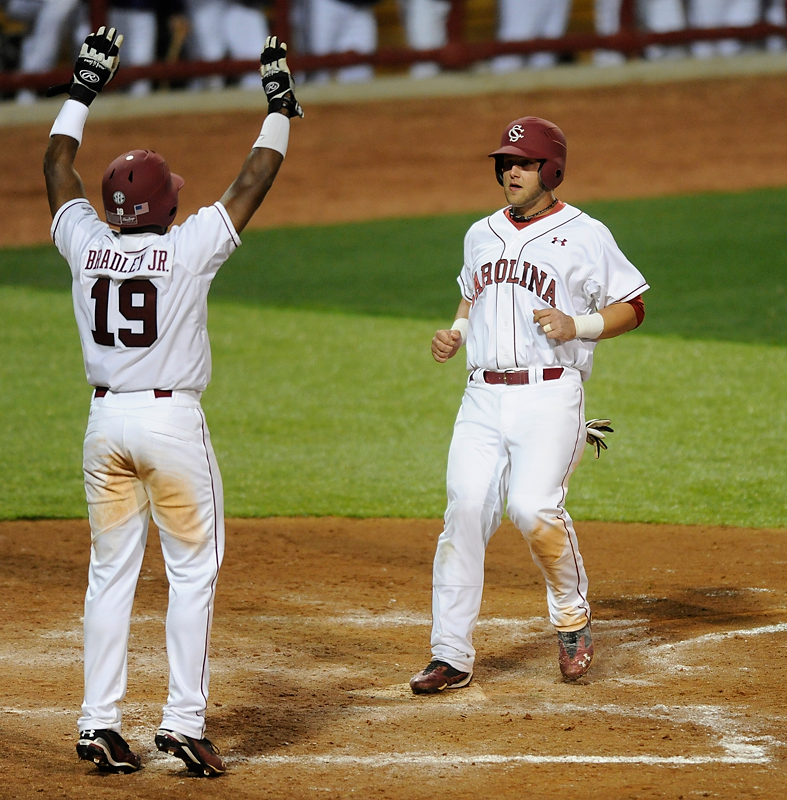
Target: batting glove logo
pixel 516 133
pixel 90 77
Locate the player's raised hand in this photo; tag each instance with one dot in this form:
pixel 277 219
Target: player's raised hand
pixel 95 66
pixel 555 324
pixel 277 81
pixel 595 430
pixel 445 345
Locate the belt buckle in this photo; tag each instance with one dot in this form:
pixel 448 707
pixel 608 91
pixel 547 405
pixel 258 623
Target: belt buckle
pixel 506 373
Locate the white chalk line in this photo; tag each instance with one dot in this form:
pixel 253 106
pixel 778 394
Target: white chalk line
pixel 738 744
pixel 426 760
pixel 734 732
pixel 364 619
pixel 664 655
pixel 37 712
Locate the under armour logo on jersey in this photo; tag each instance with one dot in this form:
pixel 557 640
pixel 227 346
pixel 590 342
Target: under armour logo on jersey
pixel 516 133
pixel 561 242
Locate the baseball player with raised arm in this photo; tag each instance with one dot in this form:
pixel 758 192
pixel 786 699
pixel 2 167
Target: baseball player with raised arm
pixel 542 282
pixel 140 300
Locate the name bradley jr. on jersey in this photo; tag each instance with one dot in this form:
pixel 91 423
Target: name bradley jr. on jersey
pixel 154 261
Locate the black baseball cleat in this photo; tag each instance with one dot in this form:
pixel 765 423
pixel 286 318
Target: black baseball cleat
pixel 108 750
pixel 201 756
pixel 575 652
pixel 437 676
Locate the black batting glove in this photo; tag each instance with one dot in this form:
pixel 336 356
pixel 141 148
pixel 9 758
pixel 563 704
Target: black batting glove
pixel 595 430
pixel 96 65
pixel 277 80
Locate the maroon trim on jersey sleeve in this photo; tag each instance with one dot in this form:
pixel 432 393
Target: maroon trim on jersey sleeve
pixel 643 287
pixel 638 304
pixel 463 288
pixel 225 217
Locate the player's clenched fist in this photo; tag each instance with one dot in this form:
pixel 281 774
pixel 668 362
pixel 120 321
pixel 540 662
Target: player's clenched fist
pixel 445 345
pixel 555 324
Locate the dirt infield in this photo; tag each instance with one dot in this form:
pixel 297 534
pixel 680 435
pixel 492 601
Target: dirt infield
pixel 320 622
pixel 410 157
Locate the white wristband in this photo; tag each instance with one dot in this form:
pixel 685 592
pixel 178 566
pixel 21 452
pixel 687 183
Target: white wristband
pixel 275 133
pixel 71 120
pixel 589 326
pixel 461 324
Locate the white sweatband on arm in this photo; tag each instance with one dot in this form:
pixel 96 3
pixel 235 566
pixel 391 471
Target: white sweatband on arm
pixel 71 120
pixel 275 133
pixel 589 326
pixel 461 324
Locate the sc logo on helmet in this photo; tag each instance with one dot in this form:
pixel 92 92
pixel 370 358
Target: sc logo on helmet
pixel 516 133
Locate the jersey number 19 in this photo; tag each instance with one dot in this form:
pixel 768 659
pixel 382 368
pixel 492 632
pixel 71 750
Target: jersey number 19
pixel 145 313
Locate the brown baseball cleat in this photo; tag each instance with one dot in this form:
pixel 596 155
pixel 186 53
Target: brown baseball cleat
pixel 108 750
pixel 201 756
pixel 576 652
pixel 438 676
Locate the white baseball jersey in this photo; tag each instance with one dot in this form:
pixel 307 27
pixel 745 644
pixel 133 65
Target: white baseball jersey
pixel 566 260
pixel 140 300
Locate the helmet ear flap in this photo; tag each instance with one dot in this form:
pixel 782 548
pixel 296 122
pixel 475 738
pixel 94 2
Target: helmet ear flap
pixel 550 174
pixel 499 169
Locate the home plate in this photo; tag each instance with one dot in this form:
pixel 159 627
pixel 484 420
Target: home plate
pixel 402 691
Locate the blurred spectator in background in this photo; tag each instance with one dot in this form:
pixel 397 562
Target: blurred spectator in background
pixel 340 26
pixel 775 14
pixel 11 33
pixel 655 16
pixel 51 21
pixel 425 25
pixel 520 20
pixel 721 14
pixel 227 29
pixel 137 20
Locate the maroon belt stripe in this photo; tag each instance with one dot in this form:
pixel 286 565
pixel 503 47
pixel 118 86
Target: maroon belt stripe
pixel 521 377
pixel 101 391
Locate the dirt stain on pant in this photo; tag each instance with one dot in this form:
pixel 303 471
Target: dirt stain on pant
pixel 114 493
pixel 547 542
pixel 175 507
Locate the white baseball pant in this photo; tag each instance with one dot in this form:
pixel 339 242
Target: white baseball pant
pixel 659 16
pixel 224 29
pixel 520 444
pixel 139 41
pixel 146 456
pixel 41 46
pixel 425 27
pixel 721 14
pixel 339 27
pixel 520 20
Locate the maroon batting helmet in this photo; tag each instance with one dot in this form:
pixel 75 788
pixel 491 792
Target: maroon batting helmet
pixel 533 137
pixel 138 189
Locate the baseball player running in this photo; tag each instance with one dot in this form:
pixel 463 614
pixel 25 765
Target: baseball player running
pixel 542 282
pixel 140 300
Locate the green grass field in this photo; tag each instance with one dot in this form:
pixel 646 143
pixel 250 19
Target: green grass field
pixel 325 399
